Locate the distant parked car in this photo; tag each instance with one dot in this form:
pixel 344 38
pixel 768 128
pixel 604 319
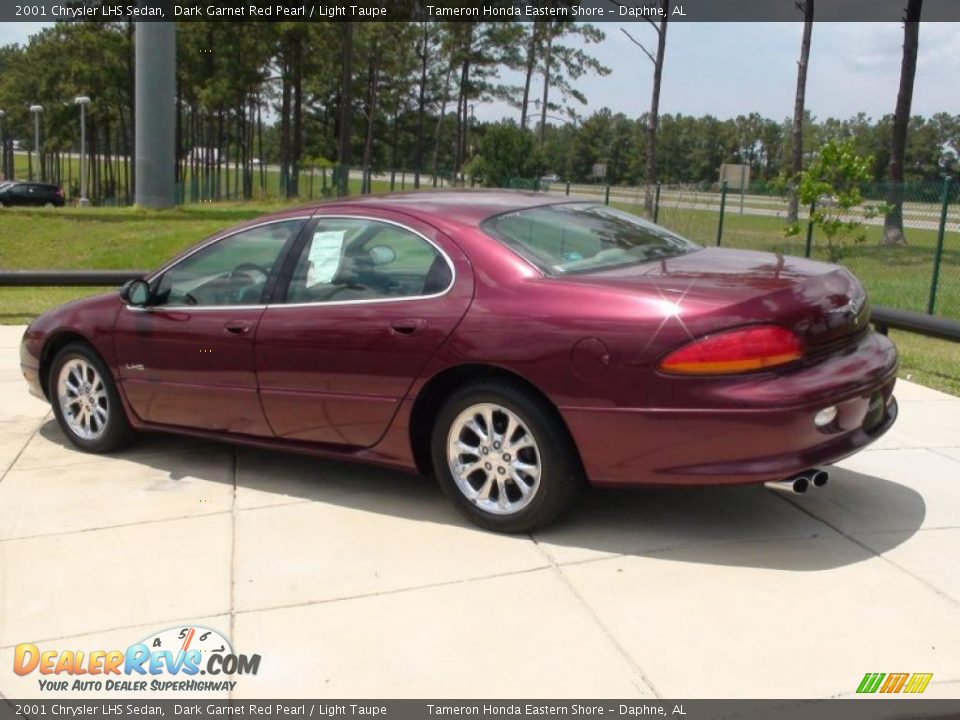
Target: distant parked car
pixel 31 194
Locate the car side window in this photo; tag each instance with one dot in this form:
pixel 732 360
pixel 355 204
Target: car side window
pixel 350 259
pixel 231 271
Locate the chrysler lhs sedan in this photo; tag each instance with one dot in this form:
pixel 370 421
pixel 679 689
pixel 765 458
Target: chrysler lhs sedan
pixel 514 345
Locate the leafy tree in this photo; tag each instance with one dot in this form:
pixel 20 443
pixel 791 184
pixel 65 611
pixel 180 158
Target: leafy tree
pixel 480 50
pixel 948 138
pixel 506 151
pixel 562 66
pixel 281 92
pixel 831 185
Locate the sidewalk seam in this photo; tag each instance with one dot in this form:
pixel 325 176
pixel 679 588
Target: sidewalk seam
pixel 939 451
pixel 30 437
pixel 631 663
pixel 230 611
pixel 101 528
pixel 234 461
pixel 394 591
pixel 953 601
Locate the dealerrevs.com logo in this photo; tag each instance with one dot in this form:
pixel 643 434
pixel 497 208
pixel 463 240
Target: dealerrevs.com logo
pixel 176 659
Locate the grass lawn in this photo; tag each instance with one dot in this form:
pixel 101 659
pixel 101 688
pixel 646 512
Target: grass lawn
pixel 101 239
pixel 132 238
pixel 928 361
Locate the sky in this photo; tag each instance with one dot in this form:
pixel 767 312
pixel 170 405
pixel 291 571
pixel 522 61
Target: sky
pixel 730 69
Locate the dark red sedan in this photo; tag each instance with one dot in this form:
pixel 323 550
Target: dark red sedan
pixel 512 344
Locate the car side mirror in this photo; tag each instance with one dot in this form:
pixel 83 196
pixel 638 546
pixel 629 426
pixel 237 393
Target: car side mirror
pixel 136 292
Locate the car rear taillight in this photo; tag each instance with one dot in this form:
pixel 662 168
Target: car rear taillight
pixel 735 351
pixel 59 192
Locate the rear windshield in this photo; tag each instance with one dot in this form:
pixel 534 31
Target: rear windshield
pixel 583 237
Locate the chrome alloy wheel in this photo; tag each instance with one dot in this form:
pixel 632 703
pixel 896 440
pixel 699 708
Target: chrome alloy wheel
pixel 83 399
pixel 494 459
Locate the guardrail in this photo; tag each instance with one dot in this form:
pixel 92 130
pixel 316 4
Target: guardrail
pixel 883 318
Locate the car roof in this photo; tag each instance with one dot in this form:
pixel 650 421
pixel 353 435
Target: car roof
pixel 463 207
pixel 31 183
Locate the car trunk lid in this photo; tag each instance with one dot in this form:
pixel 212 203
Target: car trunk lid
pixel 712 289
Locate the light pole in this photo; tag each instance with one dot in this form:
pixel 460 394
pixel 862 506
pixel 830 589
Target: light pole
pixel 36 110
pixel 3 148
pixel 83 101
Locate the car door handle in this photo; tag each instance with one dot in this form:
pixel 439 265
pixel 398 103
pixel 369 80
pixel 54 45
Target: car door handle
pixel 237 327
pixel 408 326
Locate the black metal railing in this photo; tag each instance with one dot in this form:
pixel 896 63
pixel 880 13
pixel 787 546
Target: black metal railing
pixel 884 318
pixel 67 278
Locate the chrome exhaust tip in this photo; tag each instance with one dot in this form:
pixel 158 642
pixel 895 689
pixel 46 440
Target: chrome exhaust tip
pixel 797 484
pixel 819 478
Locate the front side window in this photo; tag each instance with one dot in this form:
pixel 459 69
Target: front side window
pixel 583 237
pixel 232 271
pixel 355 259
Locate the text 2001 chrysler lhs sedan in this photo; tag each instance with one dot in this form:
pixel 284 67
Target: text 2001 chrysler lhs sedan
pixel 511 344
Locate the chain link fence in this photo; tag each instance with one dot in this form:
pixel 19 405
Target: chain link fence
pixel 923 274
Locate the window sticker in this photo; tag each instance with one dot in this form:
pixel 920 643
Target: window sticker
pixel 324 255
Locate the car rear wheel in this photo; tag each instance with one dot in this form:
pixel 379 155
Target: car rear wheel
pixel 85 400
pixel 504 457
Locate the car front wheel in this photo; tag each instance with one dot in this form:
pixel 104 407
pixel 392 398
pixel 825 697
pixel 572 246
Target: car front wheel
pixel 504 457
pixel 85 400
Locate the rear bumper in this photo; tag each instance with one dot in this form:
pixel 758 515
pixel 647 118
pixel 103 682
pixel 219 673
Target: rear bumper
pixel 769 435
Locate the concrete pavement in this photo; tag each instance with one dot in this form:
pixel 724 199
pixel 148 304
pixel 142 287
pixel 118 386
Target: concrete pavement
pixel 352 581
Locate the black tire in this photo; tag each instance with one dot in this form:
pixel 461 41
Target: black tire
pixel 116 431
pixel 561 474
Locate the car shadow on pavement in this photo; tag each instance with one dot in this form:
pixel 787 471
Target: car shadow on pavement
pixel 852 519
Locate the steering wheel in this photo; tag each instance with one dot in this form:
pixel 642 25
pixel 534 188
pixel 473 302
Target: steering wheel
pixel 346 284
pixel 177 297
pixel 244 268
